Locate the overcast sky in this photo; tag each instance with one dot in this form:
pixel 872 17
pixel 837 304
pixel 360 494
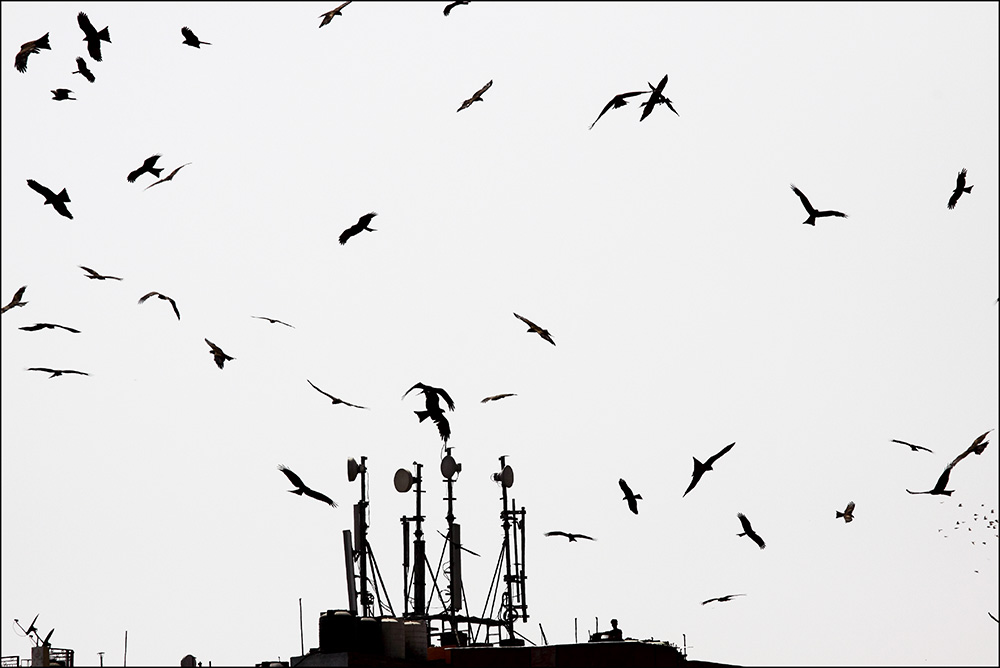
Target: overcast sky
pixel 689 305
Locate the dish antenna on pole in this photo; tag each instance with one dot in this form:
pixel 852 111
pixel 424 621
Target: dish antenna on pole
pixel 505 477
pixel 402 481
pixel 353 468
pixel 449 467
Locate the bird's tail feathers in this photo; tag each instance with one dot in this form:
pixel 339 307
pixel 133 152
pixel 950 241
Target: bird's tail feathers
pixel 155 171
pixel 295 491
pixel 63 196
pixel 638 496
pixel 967 190
pixel 423 415
pixel 105 35
pixel 839 514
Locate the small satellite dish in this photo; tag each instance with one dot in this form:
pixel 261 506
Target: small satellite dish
pixel 505 477
pixel 449 467
pixel 352 469
pixel 403 480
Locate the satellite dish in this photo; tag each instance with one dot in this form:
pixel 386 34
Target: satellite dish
pixel 352 469
pixel 403 480
pixel 505 477
pixel 449 467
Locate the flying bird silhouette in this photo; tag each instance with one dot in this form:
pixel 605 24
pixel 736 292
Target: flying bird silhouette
pixel 92 37
pixel 572 536
pixel 495 397
pixel 94 275
pixel 357 227
pixel 191 39
pixel 58 202
pixel 722 599
pixel 334 399
pixel 273 321
pixel 57 372
pixel 28 48
pixel 163 297
pixel 813 213
pixel 81 68
pixel 656 97
pixel 476 97
pixel 978 447
pixel 631 498
pixel 960 188
pixel 913 447
pixel 749 532
pixel 848 513
pixel 16 301
pixel 618 101
pixel 62 94
pixel 992 617
pixel 48 325
pixel 220 357
pixel 432 408
pixel 146 168
pixel 328 16
pixel 301 488
pixel 447 10
pixel 699 468
pixel 168 177
pixel 532 327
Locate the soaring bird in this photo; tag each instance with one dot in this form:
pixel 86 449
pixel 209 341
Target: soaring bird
pixel 167 178
pixel 447 10
pixel 57 372
pixel 94 275
pixel 939 486
pixel 631 498
pixel 191 39
pixel 495 397
pixel 699 468
pixel 722 599
pixel 163 297
pixel 16 301
pixel 357 227
pixel 572 536
pixel 48 325
pixel 60 94
pixel 618 101
pixel 960 188
pixel 146 167
pixel 914 448
pixel 432 408
pixel 328 16
pixel 334 399
pixel 532 327
pixel 81 68
pixel 28 48
pixel 92 37
pixel 978 447
pixel 813 213
pixel 300 487
pixel 476 97
pixel 656 97
pixel 58 202
pixel 748 531
pixel 848 513
pixel 273 321
pixel 220 357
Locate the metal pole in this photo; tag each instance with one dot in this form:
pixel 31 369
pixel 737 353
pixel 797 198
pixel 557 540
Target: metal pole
pixel 125 656
pixel 101 655
pixel 363 542
pixel 419 582
pixel 302 640
pixel 509 621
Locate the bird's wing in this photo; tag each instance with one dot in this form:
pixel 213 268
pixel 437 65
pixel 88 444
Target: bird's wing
pixel 40 189
pixel 294 479
pixel 177 170
pixel 188 35
pixel 580 535
pixel 367 218
pixel 557 533
pixel 34 328
pixel 86 25
pixel 498 396
pixel 849 509
pixel 479 93
pixel 148 295
pixel 911 445
pixel 81 63
pixel 757 539
pixel 530 324
pixel 19 293
pixel 419 386
pixel 343 5
pixel 41 368
pixel 805 200
pixel 68 329
pixel 444 428
pixel 89 271
pixel 447 399
pixel 350 232
pixel 174 305
pixel 745 522
pixel 321 391
pixel 215 349
pixel 606 107
pixel 976 447
pixel 695 477
pixel 319 496
pixel 942 481
pixel 715 457
pixel 710 600
pixel 150 161
pixel 953 200
pixel 660 86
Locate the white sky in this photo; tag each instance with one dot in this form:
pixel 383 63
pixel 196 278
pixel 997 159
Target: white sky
pixel 689 305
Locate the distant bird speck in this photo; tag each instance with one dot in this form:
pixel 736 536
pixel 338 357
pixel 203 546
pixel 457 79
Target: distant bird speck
pixel 146 168
pixel 163 297
pixel 28 48
pixel 960 188
pixel 92 37
pixel 57 372
pixel 656 97
pixel 476 97
pixel 749 532
pixel 447 10
pixel 332 398
pixel 300 487
pixel 848 513
pixel 572 536
pixel 273 321
pixel 618 101
pixel 81 68
pixel 699 468
pixel 48 325
pixel 60 94
pixel 813 213
pixel 914 448
pixel 328 16
pixel 58 202
pixel 16 301
pixel 191 39
pixel 630 498
pixel 220 357
pixel 357 227
pixel 496 397
pixel 532 327
pixel 722 599
pixel 94 275
pixel 168 177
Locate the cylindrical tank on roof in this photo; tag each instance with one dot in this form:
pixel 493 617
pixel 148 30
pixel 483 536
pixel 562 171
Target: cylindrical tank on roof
pixel 415 632
pixel 393 638
pixel 369 636
pixel 337 629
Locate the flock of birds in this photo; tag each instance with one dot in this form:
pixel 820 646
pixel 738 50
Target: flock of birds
pixel 437 401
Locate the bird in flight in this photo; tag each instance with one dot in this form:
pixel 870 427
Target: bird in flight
pixel 476 97
pixel 749 532
pixel 163 297
pixel 334 399
pixel 48 325
pixel 191 39
pixel 58 202
pixel 432 408
pixel 572 536
pixel 618 101
pixel 28 48
pixel 960 188
pixel 656 97
pixel 146 167
pixel 220 357
pixel 978 447
pixel 699 468
pixel 357 227
pixel 495 397
pixel 722 599
pixel 16 301
pixel 913 447
pixel 60 94
pixel 99 277
pixel 848 513
pixel 328 16
pixel 273 321
pixel 81 68
pixel 92 37
pixel 57 372
pixel 813 213
pixel 168 177
pixel 532 327
pixel 447 10
pixel 631 498
pixel 300 487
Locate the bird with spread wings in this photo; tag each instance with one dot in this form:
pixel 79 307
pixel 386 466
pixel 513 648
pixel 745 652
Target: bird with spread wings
pixel 848 513
pixel 191 39
pixel 914 448
pixel 571 536
pixel 332 398
pixel 48 325
pixel 749 532
pixel 960 188
pixel 162 296
pixel 146 168
pixel 977 447
pixel 58 202
pixel 811 210
pixel 168 177
pixel 92 37
pixel 432 408
pixel 16 301
pixel 273 321
pixel 28 48
pixel 630 498
pixel 94 275
pixel 477 96
pixel 699 468
pixel 618 101
pixel 57 372
pixel 328 16
pixel 722 599
pixel 301 488
pixel 532 327
pixel 81 68
pixel 362 225
pixel 220 357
